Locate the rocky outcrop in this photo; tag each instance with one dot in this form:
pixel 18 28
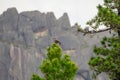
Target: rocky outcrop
pixel 25 36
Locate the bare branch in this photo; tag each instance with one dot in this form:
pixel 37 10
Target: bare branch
pixel 93 31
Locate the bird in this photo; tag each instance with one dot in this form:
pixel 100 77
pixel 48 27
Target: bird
pixel 56 41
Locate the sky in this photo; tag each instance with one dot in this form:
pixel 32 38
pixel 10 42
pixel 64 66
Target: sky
pixel 79 11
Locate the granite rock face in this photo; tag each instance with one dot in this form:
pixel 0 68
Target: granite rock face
pixel 25 36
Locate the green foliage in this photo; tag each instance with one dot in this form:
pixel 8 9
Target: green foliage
pixel 36 77
pixel 56 66
pixel 79 28
pixel 107 58
pixel 107 15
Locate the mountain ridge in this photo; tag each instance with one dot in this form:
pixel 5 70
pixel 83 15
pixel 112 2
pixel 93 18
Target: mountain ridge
pixel 25 36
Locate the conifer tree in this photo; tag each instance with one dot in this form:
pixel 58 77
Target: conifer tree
pixel 56 66
pixel 107 56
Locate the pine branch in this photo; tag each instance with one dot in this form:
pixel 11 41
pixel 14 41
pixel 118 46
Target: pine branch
pixel 93 31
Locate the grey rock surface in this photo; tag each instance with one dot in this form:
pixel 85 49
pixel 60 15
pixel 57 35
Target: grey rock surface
pixel 25 36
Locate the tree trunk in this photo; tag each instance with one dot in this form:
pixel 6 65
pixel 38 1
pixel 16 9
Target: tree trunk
pixel 118 31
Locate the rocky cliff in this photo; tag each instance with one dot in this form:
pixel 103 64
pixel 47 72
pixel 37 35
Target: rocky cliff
pixel 24 37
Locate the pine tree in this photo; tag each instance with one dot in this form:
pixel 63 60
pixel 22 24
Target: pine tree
pixel 107 56
pixel 56 66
